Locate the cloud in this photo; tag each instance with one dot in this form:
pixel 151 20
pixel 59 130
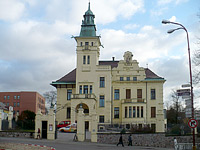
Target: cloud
pixel 173 19
pixel 158 11
pixel 131 26
pixel 11 10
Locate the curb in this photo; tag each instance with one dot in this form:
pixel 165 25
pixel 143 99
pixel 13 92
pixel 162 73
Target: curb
pixel 50 148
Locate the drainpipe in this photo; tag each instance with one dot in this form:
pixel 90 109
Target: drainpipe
pixel 146 101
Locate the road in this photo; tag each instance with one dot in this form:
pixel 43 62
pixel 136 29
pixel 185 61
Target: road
pixel 65 141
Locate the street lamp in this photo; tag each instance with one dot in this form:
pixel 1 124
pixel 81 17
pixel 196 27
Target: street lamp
pixel 190 68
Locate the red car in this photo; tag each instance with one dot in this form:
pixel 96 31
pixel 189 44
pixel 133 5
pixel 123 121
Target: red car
pixel 63 124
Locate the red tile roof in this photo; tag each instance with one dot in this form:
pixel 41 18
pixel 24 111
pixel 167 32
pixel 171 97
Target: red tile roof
pixel 71 77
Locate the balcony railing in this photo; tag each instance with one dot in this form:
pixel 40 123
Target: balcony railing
pixel 134 100
pixel 83 96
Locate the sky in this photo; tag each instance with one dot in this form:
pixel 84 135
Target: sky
pixel 36 47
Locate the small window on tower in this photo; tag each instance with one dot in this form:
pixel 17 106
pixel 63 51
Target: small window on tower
pixel 86 45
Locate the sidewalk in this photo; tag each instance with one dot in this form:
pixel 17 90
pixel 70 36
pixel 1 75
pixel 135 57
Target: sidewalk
pixel 60 144
pixel 19 146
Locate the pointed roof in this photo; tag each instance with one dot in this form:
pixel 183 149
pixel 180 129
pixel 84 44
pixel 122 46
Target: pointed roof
pixel 89 12
pixel 88 28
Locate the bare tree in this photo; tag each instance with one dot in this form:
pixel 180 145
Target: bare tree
pixel 196 62
pixel 51 97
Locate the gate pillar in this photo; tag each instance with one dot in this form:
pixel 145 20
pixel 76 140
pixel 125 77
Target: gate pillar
pixel 81 125
pixel 0 120
pixel 94 128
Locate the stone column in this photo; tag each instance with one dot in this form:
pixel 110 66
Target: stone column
pixel 94 128
pixel 10 117
pixel 81 125
pixel 38 123
pixel 0 120
pixel 51 125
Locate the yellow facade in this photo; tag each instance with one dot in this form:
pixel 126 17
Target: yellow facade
pixel 118 92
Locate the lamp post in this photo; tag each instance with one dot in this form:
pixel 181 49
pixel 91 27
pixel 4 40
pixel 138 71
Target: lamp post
pixel 190 68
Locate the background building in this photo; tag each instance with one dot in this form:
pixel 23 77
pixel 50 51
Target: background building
pixel 21 101
pixel 118 92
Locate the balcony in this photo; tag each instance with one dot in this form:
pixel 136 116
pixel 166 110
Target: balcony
pixel 83 96
pixel 134 100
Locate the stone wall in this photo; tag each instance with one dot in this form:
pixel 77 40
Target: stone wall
pixel 151 140
pixel 17 134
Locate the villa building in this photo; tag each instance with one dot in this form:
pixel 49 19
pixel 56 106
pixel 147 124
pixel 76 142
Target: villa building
pixel 118 92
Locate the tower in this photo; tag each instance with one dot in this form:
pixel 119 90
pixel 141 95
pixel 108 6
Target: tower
pixel 88 48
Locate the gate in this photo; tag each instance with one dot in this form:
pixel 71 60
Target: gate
pixel 44 129
pixel 5 124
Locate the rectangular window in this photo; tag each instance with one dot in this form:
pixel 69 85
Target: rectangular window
pixel 90 89
pixel 68 112
pixel 80 89
pixel 8 97
pixel 4 97
pixel 116 112
pixel 133 111
pixel 134 78
pixel 101 101
pixel 92 43
pixel 138 111
pixel 14 104
pixel 139 94
pixel 128 93
pixel 7 104
pixel 130 111
pixel 86 45
pixel 153 112
pixel 126 112
pixel 17 104
pixel 85 89
pixel 18 97
pixel 81 43
pixel 88 59
pixel 116 95
pixel 153 94
pixel 128 78
pixel 142 111
pixel 84 59
pixel 101 119
pixel 69 93
pixel 15 97
pixel 102 82
pixel 121 78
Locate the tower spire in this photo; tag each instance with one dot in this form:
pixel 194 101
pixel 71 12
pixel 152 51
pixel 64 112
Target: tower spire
pixel 88 28
pixel 89 6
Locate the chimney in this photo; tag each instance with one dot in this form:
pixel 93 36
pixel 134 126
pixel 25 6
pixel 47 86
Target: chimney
pixel 113 58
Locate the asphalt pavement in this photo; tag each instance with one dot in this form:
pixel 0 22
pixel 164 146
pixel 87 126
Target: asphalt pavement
pixel 65 142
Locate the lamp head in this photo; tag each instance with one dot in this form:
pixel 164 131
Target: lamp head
pixel 165 21
pixel 171 31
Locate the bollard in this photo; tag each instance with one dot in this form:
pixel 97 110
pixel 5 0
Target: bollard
pixel 194 148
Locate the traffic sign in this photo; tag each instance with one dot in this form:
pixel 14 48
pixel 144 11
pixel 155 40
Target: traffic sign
pixel 192 123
